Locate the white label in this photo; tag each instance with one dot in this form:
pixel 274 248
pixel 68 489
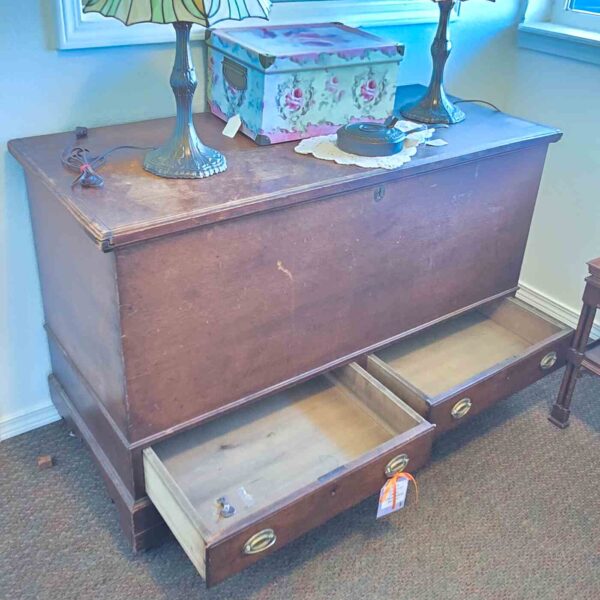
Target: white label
pixel 233 126
pixel 388 502
pixel 436 142
pixel 247 499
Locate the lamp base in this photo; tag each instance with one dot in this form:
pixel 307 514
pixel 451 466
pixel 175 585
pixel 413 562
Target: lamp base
pixel 178 159
pixel 183 155
pixel 433 108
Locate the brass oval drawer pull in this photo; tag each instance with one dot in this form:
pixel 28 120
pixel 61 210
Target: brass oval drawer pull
pixel 396 465
pixel 548 361
pixel 260 541
pixel 461 408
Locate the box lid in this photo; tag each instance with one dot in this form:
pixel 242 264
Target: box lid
pixel 134 205
pixel 294 47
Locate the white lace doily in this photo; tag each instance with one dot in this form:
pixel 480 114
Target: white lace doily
pixel 324 147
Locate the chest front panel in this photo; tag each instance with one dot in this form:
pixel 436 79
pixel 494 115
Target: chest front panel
pixel 220 313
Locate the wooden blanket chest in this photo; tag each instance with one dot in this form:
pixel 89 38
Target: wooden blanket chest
pixel 277 340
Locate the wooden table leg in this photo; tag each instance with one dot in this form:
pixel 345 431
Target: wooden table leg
pixel 559 415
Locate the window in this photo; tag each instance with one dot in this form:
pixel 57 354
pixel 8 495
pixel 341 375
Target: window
pixel 580 14
pixel 568 28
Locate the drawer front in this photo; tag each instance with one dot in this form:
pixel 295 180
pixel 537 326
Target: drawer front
pixel 226 556
pixel 459 406
pixel 455 369
pixel 239 487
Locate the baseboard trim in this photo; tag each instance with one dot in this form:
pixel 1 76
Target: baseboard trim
pixel 553 308
pixel 25 421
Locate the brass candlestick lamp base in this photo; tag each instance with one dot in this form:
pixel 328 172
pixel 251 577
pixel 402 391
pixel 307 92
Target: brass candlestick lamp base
pixel 434 106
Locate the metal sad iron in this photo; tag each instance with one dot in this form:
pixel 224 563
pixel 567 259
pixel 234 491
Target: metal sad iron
pixel 373 139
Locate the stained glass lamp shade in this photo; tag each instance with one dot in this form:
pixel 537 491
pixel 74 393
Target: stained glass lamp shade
pixel 183 155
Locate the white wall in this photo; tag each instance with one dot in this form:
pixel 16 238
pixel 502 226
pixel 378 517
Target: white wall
pixel 487 63
pixel 44 91
pixel 566 225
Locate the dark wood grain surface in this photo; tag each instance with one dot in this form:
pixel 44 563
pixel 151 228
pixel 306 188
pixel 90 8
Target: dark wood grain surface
pixel 197 313
pixel 134 205
pixel 306 511
pixel 79 290
pixel 221 314
pixel 592 358
pixel 581 352
pixel 594 268
pixel 496 384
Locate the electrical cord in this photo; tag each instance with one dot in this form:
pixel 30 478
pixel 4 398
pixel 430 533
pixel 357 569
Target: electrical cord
pixel 479 102
pixel 79 160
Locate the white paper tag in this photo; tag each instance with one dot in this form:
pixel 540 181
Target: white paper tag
pixel 247 499
pixel 436 142
pixel 232 126
pixel 386 504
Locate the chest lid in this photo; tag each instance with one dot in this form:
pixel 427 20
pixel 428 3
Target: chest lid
pixel 135 205
pixel 279 48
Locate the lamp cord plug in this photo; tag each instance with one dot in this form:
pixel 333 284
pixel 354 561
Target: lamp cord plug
pixel 79 160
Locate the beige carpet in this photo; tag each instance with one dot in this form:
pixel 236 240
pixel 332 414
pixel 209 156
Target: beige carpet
pixel 510 509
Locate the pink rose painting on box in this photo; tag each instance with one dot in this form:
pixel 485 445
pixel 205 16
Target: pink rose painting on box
pixel 368 89
pixel 333 87
pixel 294 98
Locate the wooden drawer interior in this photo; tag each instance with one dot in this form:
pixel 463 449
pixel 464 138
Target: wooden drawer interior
pixel 261 455
pixel 452 355
pixel 455 351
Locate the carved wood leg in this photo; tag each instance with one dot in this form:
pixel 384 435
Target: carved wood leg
pixel 559 415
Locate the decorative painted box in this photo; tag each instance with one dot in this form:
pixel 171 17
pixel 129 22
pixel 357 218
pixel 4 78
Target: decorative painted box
pixel 289 82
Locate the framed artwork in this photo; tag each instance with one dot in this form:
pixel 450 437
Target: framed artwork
pixel 77 30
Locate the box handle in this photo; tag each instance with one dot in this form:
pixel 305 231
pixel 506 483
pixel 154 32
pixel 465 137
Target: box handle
pixel 235 75
pixel 260 541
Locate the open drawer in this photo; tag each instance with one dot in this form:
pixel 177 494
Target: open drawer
pixel 460 367
pixel 237 488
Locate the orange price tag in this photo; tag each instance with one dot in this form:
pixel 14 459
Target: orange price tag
pixel 393 493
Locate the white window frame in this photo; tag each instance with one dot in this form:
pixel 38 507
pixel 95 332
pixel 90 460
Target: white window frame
pixel 544 29
pixel 76 30
pixel 562 15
